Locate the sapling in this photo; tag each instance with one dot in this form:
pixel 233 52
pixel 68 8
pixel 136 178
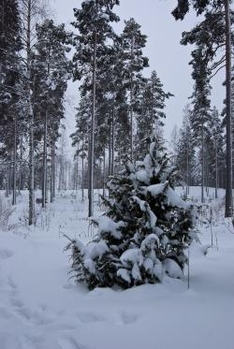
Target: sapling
pixel 144 232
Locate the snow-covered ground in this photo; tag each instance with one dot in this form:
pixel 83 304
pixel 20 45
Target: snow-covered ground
pixel 40 308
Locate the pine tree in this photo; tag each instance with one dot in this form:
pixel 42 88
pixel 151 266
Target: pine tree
pixel 185 159
pixel 144 231
pixel 211 35
pixel 10 45
pixel 215 150
pixel 93 21
pixel 150 113
pixel 30 13
pixel 133 41
pixel 51 72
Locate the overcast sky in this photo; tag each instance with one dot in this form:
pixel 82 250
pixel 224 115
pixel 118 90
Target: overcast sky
pixel 166 55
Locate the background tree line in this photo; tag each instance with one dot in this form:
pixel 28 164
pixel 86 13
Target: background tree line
pixel 119 106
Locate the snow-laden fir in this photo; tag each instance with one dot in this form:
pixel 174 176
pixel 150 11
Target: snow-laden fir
pixel 143 233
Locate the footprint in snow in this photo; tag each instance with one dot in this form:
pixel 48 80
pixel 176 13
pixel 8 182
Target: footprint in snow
pixel 71 343
pixel 36 316
pixel 12 341
pixel 17 302
pixel 13 287
pixel 127 318
pixel 5 254
pixel 5 314
pixel 90 317
pixel 12 283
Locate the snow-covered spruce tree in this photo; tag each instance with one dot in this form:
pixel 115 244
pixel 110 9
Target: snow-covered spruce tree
pixel 144 232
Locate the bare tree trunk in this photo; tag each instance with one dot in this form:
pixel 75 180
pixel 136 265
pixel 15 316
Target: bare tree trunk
pixel 203 163
pixel 31 218
pixel 228 203
pixel 52 180
pixel 216 170
pixel 91 148
pixel 28 38
pixel 20 185
pixel 187 170
pixel 14 162
pixel 113 144
pixel 44 179
pixel 131 101
pixel 104 173
pixel 82 175
pixel 8 180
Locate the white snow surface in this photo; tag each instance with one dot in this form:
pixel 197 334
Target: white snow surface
pixel 41 308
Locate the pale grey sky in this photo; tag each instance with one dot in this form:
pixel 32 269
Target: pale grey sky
pixel 166 55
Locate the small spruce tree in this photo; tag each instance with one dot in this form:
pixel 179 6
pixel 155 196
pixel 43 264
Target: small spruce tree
pixel 143 233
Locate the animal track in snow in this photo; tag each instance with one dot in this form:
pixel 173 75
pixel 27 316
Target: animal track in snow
pixel 5 254
pixel 89 317
pixel 36 316
pixel 128 319
pixel 17 302
pixel 70 343
pixel 5 313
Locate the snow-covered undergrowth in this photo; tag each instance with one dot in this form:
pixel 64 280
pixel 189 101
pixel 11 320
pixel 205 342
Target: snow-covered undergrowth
pixel 40 308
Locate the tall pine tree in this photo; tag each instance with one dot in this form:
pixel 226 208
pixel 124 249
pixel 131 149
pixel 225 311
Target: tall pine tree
pixel 93 21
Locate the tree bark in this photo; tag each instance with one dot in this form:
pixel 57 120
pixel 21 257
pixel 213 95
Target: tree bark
pixel 82 179
pixel 228 201
pixel 131 100
pixel 104 174
pixel 91 147
pixel 216 170
pixel 52 179
pixel 14 162
pixel 203 163
pixel 31 218
pixel 44 179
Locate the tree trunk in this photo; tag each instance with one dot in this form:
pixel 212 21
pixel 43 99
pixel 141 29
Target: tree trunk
pixel 8 172
pixel 82 179
pixel 203 163
pixel 228 201
pixel 104 173
pixel 31 218
pixel 110 148
pixel 113 145
pixel 14 162
pixel 187 170
pixel 91 147
pixel 20 185
pixel 216 170
pixel 44 178
pixel 52 180
pixel 131 101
